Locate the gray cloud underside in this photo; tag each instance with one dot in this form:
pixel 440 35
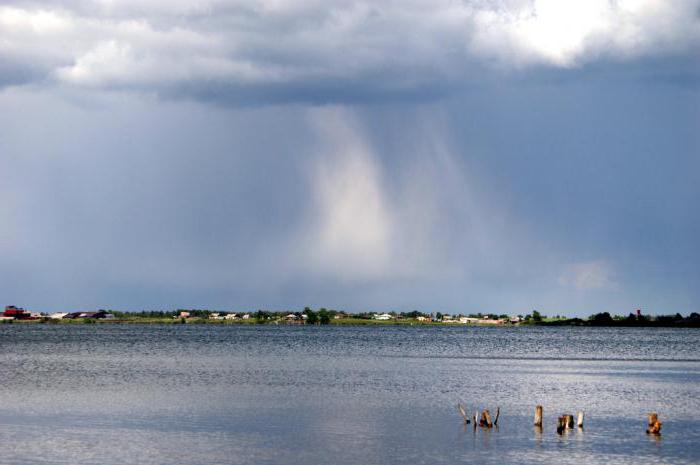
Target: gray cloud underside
pixel 263 51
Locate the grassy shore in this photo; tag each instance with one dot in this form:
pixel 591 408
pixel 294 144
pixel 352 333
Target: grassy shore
pixel 691 322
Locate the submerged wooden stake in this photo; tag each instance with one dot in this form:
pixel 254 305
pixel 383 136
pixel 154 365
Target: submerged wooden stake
pixel 655 428
pixel 561 425
pixel 463 413
pixel 579 421
pixel 486 419
pixel 569 421
pixel 653 418
pixel 538 415
pixel 498 414
pixel 654 424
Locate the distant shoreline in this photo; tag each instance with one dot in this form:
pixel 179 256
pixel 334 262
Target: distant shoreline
pixel 310 317
pixel 137 320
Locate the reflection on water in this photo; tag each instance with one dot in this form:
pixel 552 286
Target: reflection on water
pixel 291 395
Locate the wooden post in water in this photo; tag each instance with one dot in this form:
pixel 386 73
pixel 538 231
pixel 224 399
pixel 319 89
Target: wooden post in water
pixel 561 425
pixel 476 420
pixel 653 418
pixel 569 421
pixel 538 415
pixel 654 424
pixel 498 414
pixel 579 421
pixel 463 413
pixel 486 419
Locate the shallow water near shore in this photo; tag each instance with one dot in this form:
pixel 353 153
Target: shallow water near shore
pixel 206 394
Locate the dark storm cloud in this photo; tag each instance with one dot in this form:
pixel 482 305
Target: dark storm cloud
pixel 273 51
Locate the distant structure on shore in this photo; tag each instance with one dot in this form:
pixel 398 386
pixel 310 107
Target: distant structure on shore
pixel 17 313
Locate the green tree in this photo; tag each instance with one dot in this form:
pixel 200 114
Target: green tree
pixel 536 316
pixel 414 314
pixel 601 319
pixel 311 316
pixel 324 317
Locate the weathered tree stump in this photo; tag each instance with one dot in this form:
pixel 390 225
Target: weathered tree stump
pixel 579 421
pixel 569 421
pixel 485 420
pixel 654 426
pixel 538 415
pixel 561 425
pixel 653 418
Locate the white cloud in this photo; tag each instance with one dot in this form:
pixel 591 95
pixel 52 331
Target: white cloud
pixel 562 33
pixel 584 276
pixel 377 46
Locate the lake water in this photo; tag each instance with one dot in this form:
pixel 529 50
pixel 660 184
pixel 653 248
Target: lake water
pixel 209 394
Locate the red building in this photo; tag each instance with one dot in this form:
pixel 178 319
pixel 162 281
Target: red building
pixel 16 313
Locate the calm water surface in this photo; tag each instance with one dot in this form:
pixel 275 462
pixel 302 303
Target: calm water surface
pixel 129 394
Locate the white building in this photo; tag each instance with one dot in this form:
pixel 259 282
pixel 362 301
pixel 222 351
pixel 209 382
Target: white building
pixel 383 316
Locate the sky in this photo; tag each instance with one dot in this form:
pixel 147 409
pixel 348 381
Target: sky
pixel 476 156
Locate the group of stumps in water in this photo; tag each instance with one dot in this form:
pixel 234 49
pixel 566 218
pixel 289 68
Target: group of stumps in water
pixel 564 422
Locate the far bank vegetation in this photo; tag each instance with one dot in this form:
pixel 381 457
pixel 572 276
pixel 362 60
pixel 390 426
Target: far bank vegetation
pixel 323 316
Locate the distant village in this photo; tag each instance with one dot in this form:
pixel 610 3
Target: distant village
pixel 307 316
pixel 324 317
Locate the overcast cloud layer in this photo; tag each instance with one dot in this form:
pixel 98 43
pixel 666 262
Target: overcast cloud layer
pixel 443 156
pixel 249 51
